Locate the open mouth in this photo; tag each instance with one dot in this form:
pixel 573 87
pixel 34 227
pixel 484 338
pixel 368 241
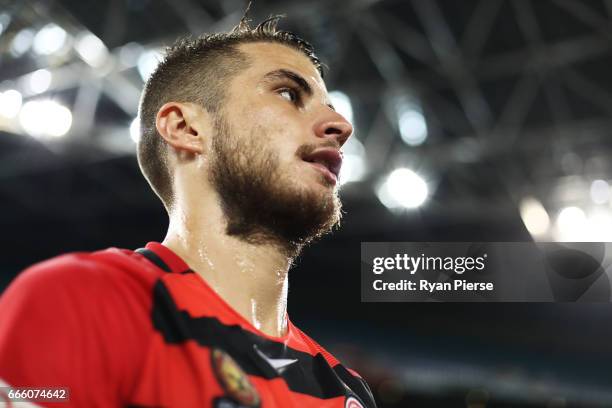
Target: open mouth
pixel 328 161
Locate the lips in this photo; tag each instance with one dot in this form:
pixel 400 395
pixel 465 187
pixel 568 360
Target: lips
pixel 328 158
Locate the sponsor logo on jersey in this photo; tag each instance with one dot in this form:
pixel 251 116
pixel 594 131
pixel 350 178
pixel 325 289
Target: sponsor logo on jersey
pixel 352 402
pixel 233 379
pixel 279 364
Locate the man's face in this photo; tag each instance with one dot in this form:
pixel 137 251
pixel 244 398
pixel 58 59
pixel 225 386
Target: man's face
pixel 275 155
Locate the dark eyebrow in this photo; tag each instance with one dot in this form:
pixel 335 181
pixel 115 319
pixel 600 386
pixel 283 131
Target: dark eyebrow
pixel 292 76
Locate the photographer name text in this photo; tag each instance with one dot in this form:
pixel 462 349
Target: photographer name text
pixel 422 263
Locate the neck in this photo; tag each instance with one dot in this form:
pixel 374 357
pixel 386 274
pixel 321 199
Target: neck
pixel 251 277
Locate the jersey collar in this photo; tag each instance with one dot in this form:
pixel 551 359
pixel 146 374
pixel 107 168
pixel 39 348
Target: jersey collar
pixel 172 260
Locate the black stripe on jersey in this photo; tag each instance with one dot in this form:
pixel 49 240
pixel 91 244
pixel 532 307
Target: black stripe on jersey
pixel 357 384
pixel 157 261
pixel 309 375
pixel 152 256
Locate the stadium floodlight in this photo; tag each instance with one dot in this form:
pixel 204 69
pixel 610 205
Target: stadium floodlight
pixel 22 42
pixel 600 191
pixel 40 81
pixel 10 103
pixel 571 224
pixel 403 188
pixel 534 216
pixel 412 127
pixel 50 39
pixel 411 122
pixel 91 49
pixel 45 118
pixel 599 226
pixel 342 104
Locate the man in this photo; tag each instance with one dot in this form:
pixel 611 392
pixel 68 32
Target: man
pixel 240 142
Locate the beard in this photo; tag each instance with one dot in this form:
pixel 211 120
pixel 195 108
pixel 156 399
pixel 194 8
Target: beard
pixel 261 203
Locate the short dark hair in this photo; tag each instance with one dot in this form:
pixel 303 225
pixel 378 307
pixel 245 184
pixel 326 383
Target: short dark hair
pixel 197 70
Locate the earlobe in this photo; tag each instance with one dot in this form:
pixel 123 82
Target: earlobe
pixel 177 124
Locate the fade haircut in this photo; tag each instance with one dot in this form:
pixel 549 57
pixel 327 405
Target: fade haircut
pixel 198 71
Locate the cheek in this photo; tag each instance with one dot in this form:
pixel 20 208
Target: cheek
pixel 260 111
pixel 273 127
pixel 277 116
pixel 281 136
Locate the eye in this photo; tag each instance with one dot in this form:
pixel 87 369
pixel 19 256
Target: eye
pixel 289 94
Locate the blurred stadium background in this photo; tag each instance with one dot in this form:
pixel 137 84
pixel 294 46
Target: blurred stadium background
pixel 476 120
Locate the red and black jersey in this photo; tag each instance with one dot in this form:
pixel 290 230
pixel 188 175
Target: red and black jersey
pixel 140 329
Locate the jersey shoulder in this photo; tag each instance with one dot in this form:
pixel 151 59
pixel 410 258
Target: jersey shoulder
pixel 109 277
pixel 104 267
pixel 93 312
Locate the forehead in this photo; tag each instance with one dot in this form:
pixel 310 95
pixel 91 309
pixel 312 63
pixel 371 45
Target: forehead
pixel 265 57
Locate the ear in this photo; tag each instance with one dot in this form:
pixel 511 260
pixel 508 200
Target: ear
pixel 183 126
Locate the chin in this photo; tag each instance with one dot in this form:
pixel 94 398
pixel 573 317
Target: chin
pixel 313 206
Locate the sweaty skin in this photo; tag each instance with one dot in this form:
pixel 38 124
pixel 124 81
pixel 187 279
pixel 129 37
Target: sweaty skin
pixel 250 275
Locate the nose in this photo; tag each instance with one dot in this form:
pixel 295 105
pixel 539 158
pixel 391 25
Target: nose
pixel 334 126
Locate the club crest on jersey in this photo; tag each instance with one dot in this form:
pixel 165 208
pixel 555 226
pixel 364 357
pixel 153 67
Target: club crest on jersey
pixel 233 379
pixel 352 402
